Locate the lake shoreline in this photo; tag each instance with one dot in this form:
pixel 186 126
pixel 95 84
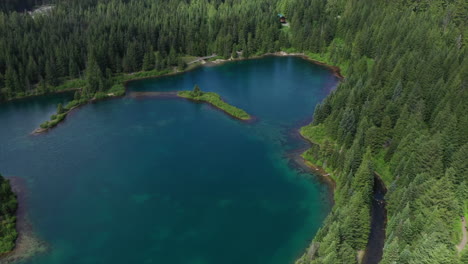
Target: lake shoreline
pixel 27 244
pixel 68 90
pixel 373 252
pixel 334 69
pixel 41 130
pixel 308 166
pixel 313 168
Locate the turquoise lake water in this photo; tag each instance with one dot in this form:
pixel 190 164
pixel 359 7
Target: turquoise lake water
pixel 154 180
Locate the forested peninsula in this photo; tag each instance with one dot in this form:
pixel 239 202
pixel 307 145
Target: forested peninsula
pixel 400 112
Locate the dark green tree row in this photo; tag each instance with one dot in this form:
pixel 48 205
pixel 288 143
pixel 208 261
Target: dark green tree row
pixel 401 112
pixel 98 39
pixel 8 205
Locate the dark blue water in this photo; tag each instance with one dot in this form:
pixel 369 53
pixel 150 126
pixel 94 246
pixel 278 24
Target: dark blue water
pixel 153 180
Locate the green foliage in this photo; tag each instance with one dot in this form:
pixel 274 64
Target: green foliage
pixel 8 206
pixel 394 116
pixel 316 134
pixel 54 121
pixel 70 84
pixel 117 90
pixel 400 112
pixel 196 92
pixel 121 43
pixel 60 109
pixel 215 100
pixel 75 103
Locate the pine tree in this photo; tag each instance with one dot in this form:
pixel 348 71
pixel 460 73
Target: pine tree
pixel 196 91
pixel 51 73
pixel 73 68
pixel 60 109
pixel 94 77
pixel 148 61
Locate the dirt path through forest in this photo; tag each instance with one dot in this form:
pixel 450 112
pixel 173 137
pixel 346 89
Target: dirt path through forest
pixel 462 244
pixel 202 58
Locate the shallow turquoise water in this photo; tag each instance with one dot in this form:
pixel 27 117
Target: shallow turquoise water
pixel 153 180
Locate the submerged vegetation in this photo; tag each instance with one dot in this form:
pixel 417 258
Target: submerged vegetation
pixel 400 112
pixel 215 100
pixel 8 206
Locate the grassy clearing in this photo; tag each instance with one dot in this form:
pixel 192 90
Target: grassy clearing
pixel 70 85
pixel 456 231
pixel 318 136
pixel 382 168
pixel 216 58
pixel 188 58
pixel 315 134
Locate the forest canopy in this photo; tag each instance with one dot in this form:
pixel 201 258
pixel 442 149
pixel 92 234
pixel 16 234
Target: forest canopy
pixel 8 205
pixel 399 113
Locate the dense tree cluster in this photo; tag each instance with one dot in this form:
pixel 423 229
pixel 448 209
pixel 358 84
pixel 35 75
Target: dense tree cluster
pixel 400 112
pixel 8 205
pixel 98 39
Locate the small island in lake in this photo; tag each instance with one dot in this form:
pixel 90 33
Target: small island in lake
pixel 8 206
pixel 215 100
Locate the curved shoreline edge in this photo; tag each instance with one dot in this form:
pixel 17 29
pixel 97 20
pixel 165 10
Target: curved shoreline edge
pixel 374 249
pixel 334 69
pixel 41 130
pixel 28 244
pixel 312 168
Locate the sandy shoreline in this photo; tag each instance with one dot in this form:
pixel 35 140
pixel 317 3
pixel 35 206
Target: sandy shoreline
pixel 28 243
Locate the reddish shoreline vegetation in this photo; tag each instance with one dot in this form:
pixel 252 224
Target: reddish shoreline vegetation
pixel 120 90
pixel 27 244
